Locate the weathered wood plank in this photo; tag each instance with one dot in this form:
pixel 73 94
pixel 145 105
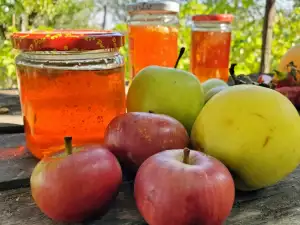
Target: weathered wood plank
pixel 18 208
pixel 11 128
pixel 16 163
pixel 10 109
pixel 12 140
pixel 276 205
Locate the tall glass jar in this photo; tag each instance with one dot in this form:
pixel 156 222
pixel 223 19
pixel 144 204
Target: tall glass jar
pixel 210 46
pixel 71 83
pixel 153 34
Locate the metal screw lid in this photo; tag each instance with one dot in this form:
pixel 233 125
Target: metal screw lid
pixel 153 7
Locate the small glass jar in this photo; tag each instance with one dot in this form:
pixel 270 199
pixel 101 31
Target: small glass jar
pixel 210 46
pixel 153 34
pixel 71 83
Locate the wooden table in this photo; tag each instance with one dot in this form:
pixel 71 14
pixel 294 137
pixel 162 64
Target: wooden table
pixel 279 204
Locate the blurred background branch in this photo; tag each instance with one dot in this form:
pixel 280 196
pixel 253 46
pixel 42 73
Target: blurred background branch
pixel 267 36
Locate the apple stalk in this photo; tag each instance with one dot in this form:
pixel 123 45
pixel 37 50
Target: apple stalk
pixel 181 52
pixel 68 145
pixel 186 156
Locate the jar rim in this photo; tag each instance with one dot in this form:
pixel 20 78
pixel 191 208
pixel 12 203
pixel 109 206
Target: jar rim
pixel 225 18
pixel 67 40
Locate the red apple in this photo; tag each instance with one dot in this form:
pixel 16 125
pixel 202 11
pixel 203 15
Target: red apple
pixel 292 93
pixel 182 187
pixel 135 136
pixel 287 82
pixel 72 187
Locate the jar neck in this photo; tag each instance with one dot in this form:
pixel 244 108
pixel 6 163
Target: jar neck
pixel 68 60
pixel 69 55
pixel 211 26
pixel 168 19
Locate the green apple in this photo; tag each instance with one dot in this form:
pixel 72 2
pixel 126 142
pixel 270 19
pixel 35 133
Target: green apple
pixel 213 83
pixel 214 91
pixel 254 131
pixel 169 91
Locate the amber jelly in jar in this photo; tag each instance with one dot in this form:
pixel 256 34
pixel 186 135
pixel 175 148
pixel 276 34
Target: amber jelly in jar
pixel 210 46
pixel 152 34
pixel 71 83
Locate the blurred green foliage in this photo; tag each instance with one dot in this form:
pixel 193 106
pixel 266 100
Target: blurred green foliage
pixel 246 36
pixel 247 32
pixel 17 15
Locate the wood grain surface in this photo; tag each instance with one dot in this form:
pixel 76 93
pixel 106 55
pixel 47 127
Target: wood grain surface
pixel 276 205
pixel 279 204
pixel 10 109
pixel 16 163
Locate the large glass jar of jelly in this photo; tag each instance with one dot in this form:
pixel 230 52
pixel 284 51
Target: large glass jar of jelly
pixel 210 46
pixel 71 83
pixel 153 34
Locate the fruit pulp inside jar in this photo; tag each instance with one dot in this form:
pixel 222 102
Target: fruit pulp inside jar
pixel 152 45
pixel 58 103
pixel 210 53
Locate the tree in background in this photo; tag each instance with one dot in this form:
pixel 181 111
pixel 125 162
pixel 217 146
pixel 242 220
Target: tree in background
pixel 267 36
pixel 16 15
pixel 116 8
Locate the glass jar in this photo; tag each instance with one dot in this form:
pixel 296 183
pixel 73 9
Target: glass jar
pixel 71 83
pixel 153 34
pixel 210 46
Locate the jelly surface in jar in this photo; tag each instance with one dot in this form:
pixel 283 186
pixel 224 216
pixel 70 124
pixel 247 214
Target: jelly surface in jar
pixel 152 45
pixel 210 52
pixel 68 103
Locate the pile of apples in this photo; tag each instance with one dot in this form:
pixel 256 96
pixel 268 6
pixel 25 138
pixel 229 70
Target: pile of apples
pixel 189 144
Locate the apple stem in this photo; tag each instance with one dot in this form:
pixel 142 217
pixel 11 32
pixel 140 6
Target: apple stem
pixel 186 155
pixel 232 73
pixel 181 52
pixel 150 111
pixel 68 145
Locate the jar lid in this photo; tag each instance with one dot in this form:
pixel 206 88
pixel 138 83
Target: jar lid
pixel 226 18
pixel 153 7
pixel 67 40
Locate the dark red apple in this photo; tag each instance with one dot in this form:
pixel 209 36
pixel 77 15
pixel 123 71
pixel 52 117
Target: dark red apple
pixel 292 93
pixel 72 187
pixel 184 187
pixel 135 136
pixel 287 82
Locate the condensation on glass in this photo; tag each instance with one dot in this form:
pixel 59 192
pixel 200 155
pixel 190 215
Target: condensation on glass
pixel 210 46
pixel 71 83
pixel 152 34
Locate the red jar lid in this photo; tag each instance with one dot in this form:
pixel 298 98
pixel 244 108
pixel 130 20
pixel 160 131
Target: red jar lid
pixel 226 18
pixel 67 40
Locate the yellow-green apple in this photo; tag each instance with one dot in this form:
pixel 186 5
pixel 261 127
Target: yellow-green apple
pixel 78 184
pixel 213 91
pixel 254 131
pixel 169 91
pixel 213 83
pixel 183 187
